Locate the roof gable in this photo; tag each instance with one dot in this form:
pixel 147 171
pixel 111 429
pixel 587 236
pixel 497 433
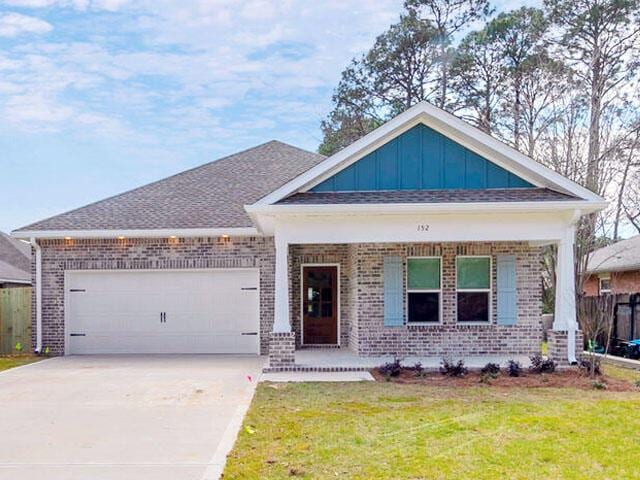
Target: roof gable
pixel 421 159
pixel 457 131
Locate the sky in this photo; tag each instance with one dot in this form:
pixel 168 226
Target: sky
pixel 101 96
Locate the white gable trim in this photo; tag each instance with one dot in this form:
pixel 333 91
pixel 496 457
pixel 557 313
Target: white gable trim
pixel 453 128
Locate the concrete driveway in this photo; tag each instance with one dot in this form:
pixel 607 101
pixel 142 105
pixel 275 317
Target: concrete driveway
pixel 123 417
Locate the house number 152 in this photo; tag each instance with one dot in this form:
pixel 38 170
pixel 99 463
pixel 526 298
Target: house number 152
pixel 423 227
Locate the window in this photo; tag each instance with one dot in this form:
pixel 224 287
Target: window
pixel 473 284
pixel 423 289
pixel 605 285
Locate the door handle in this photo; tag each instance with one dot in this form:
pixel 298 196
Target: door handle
pixel 163 317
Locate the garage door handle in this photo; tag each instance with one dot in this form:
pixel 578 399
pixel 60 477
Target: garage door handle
pixel 249 333
pixel 249 288
pixel 77 334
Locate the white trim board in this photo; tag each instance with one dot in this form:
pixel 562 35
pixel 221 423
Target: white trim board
pixel 452 127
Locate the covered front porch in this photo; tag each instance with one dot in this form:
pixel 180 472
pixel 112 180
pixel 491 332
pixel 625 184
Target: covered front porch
pixel 342 302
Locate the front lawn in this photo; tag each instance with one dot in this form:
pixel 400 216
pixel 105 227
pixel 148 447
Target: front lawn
pixel 11 361
pixel 408 431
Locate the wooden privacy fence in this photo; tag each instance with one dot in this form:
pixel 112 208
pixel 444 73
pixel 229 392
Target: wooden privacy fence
pixel 15 319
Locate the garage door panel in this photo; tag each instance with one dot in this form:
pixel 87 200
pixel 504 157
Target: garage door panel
pixel 208 311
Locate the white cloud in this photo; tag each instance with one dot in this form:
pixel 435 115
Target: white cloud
pixel 12 24
pixel 110 5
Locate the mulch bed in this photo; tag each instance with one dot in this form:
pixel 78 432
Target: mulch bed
pixel 570 378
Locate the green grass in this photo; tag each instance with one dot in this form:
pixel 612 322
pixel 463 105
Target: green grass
pixel 621 373
pixel 400 431
pixel 16 361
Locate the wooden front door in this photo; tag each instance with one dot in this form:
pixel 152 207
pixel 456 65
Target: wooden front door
pixel 320 305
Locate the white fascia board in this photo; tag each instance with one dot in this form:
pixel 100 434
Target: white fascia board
pixel 451 127
pixel 401 208
pixel 138 233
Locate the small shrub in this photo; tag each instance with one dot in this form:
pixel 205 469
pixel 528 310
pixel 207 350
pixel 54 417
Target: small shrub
pixel 586 365
pixel 418 369
pixel 453 369
pixel 598 385
pixel 514 368
pixel 541 365
pixel 18 347
pixel 391 369
pixel 637 383
pixel 491 370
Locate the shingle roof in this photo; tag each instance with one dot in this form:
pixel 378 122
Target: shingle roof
pixel 210 196
pixel 428 196
pixel 618 257
pixel 15 259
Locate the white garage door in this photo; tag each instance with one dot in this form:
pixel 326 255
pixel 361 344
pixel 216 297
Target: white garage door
pixel 204 311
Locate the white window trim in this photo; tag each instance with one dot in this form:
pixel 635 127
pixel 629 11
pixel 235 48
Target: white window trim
pixel 471 290
pixel 422 290
pixel 605 276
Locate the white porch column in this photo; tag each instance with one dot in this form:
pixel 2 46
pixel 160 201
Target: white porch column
pixel 281 323
pixel 565 308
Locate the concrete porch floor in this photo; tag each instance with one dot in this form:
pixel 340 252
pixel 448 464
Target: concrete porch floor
pixel 345 359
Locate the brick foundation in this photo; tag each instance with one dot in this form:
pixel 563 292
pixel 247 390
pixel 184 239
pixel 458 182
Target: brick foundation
pixel 282 348
pixel 557 343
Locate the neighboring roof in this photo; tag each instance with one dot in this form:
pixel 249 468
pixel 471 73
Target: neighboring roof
pixel 209 196
pixel 620 256
pixel 457 130
pixel 15 260
pixel 427 196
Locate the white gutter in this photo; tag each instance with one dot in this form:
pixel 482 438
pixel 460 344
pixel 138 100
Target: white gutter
pixel 394 208
pixel 38 251
pixel 13 280
pixel 137 233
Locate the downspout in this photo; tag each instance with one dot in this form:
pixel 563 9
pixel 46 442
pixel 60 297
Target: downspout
pixel 571 327
pixel 571 344
pixel 38 251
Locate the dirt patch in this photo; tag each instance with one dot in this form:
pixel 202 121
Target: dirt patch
pixel 571 378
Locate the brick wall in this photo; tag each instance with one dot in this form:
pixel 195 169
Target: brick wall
pixel 282 350
pixel 449 337
pixel 558 346
pixel 621 283
pixel 131 254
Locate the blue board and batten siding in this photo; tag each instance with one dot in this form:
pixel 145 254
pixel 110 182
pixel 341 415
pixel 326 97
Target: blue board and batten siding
pixel 421 159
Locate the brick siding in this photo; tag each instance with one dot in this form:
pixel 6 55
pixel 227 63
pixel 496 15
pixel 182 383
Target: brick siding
pixel 621 283
pixel 364 305
pixel 152 254
pixel 558 346
pixel 361 289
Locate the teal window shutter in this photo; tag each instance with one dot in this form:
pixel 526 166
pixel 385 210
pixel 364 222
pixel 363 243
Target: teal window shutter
pixel 507 292
pixel 393 307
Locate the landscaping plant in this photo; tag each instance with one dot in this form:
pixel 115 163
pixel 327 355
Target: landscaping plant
pixel 514 368
pixel 453 369
pixel 391 369
pixel 591 365
pixel 541 365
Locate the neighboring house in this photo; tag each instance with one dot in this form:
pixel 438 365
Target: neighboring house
pixel 615 269
pixel 422 238
pixel 15 262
